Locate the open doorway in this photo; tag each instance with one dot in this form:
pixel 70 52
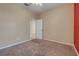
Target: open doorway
pixel 36 29
pixel 39 29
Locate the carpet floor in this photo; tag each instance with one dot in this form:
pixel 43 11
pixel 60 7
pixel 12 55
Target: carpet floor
pixel 38 47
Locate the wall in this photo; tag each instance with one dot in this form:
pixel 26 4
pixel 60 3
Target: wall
pixel 14 24
pixel 76 26
pixel 59 24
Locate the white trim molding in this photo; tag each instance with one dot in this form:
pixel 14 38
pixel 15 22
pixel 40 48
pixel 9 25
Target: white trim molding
pixel 76 50
pixel 65 44
pixel 60 42
pixel 14 44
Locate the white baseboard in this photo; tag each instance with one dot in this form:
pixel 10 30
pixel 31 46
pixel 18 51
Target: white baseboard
pixel 75 50
pixel 10 45
pixel 61 42
pixel 65 44
pixel 29 40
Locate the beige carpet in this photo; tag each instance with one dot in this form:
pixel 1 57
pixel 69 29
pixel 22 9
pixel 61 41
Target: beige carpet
pixel 38 47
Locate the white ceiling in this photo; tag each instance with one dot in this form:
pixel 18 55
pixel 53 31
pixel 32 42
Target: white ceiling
pixel 46 6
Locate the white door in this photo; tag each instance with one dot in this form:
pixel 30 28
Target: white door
pixel 32 29
pixel 39 28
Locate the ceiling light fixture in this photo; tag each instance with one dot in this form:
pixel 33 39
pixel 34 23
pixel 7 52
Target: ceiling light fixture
pixel 38 4
pixel 35 4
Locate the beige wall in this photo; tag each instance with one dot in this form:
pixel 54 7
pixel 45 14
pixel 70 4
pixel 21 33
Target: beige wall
pixel 59 24
pixel 14 24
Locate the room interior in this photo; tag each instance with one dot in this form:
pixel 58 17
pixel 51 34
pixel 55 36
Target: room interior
pixel 39 29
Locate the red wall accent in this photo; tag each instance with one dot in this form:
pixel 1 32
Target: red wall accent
pixel 76 26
